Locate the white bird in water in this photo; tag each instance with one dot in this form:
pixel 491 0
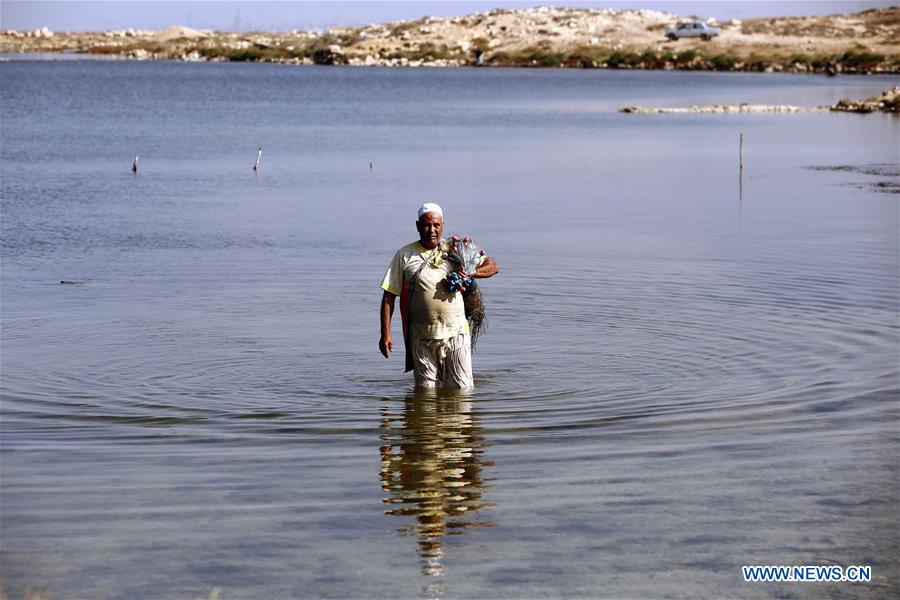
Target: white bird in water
pixel 258 156
pixel 134 164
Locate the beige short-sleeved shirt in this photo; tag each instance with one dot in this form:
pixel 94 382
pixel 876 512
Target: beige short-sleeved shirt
pixel 437 313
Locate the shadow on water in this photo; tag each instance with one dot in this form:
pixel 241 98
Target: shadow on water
pixel 432 469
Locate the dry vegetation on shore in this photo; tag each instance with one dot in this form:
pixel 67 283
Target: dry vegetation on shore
pixel 866 42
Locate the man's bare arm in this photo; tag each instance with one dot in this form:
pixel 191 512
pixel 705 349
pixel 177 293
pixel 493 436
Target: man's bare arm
pixel 386 344
pixel 488 268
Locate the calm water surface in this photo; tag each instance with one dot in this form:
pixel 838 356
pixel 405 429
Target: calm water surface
pixel 684 373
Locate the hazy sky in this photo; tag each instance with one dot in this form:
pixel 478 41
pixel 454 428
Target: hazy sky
pixel 246 15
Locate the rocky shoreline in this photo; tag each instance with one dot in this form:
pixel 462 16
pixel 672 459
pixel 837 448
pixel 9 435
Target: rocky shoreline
pixel 724 108
pixel 864 42
pixel 887 101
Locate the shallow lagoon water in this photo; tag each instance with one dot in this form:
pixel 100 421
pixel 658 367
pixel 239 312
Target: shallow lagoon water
pixel 684 373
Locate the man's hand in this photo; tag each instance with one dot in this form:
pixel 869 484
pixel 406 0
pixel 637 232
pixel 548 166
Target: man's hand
pixel 386 345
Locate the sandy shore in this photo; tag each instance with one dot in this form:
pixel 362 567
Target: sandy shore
pixel 866 42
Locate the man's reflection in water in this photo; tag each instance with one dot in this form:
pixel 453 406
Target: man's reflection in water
pixel 431 468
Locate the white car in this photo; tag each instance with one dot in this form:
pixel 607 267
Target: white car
pixel 692 29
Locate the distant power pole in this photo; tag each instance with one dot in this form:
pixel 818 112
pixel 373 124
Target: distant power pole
pixel 237 19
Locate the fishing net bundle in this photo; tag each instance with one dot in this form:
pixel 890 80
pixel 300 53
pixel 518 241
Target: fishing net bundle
pixel 467 254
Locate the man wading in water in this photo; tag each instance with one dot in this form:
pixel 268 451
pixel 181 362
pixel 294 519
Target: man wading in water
pixel 438 341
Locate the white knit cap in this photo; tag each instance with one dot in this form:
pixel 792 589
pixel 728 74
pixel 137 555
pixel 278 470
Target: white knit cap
pixel 430 207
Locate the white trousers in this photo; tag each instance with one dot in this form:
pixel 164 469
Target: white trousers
pixel 443 363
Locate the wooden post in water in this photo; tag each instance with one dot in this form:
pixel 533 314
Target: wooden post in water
pixel 741 173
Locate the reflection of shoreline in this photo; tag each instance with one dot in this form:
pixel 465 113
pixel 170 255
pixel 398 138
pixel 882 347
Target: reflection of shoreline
pixel 431 469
